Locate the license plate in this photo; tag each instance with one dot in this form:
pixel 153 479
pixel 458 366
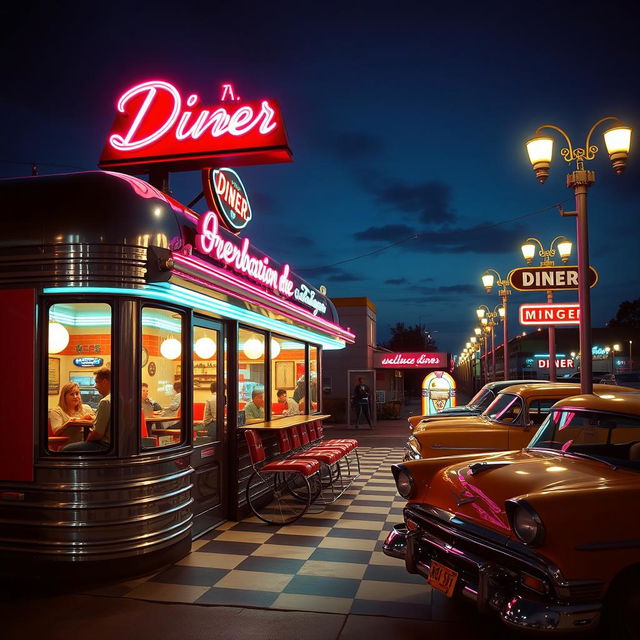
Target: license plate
pixel 442 578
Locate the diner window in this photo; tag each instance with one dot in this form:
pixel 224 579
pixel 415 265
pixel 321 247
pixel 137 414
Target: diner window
pixel 161 366
pixel 287 370
pixel 314 368
pixel 251 376
pixel 79 347
pixel 205 385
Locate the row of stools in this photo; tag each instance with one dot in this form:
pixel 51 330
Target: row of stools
pixel 309 471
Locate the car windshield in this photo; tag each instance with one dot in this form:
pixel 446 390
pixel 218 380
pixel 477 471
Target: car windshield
pixel 482 399
pixel 604 436
pixel 507 408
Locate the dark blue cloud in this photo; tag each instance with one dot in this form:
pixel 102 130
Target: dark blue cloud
pixel 396 281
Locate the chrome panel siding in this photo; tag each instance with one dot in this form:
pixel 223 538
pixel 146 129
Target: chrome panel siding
pixel 99 509
pixel 74 265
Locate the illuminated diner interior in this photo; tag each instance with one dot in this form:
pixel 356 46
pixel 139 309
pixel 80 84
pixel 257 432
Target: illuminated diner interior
pixel 80 343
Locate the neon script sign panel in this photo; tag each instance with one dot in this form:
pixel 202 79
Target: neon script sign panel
pixel 226 194
pixel 156 126
pixel 412 360
pixel 210 242
pixel 239 256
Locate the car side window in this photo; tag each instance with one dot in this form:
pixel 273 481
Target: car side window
pixel 539 410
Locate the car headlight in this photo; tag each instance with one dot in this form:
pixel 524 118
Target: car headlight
pixel 525 522
pixel 404 481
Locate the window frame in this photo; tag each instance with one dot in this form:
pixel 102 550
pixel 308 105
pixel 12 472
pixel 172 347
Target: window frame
pixel 42 346
pixel 186 327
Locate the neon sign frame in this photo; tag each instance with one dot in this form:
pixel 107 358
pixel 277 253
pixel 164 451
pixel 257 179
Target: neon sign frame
pixel 156 126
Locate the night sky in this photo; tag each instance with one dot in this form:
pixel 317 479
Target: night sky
pixel 407 122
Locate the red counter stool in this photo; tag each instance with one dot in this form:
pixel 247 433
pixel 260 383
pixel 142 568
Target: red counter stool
pixel 279 492
pixel 329 460
pixel 350 443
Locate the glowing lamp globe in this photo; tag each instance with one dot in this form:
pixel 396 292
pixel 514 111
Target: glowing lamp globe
pixel 618 142
pixel 58 337
pixel 487 281
pixel 540 150
pixel 480 312
pixel 171 349
pixel 205 348
pixel 564 249
pixel 528 251
pixel 275 348
pixel 253 348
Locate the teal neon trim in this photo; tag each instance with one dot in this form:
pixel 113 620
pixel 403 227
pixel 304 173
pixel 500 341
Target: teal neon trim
pixel 171 293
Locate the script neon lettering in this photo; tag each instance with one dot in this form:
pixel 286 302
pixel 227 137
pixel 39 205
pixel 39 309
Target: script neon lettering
pixel 209 241
pixel 124 143
pixel 186 124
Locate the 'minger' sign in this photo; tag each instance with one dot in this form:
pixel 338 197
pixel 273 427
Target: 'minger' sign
pixel 550 314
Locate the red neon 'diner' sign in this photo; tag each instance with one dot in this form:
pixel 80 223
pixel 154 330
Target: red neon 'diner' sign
pixel 156 126
pixel 412 360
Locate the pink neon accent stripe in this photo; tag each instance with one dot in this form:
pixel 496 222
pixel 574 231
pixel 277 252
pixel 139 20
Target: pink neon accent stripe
pixel 196 263
pixel 205 283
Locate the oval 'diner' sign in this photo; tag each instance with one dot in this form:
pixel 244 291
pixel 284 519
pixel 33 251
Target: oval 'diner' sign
pixel 227 196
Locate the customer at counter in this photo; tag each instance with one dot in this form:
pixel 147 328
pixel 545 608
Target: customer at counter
pixel 289 405
pixel 174 407
pixel 66 419
pixel 148 405
pixel 210 410
pixel 99 436
pixel 254 410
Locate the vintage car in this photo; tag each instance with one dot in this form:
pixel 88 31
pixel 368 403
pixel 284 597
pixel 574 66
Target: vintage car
pixel 507 423
pixel 549 536
pixel 483 398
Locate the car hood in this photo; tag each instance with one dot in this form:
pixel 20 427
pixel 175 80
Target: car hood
pixel 452 422
pixel 477 491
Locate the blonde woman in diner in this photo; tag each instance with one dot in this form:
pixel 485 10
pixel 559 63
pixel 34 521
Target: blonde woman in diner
pixel 70 410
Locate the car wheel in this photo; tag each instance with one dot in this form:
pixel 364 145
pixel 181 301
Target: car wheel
pixel 623 604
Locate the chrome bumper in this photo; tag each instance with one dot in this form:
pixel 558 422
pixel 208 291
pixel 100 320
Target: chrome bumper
pixel 515 609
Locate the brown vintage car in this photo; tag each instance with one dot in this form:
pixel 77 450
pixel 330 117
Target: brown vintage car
pixel 509 422
pixel 549 536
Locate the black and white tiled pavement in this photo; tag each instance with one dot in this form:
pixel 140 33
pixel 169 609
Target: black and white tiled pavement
pixel 329 562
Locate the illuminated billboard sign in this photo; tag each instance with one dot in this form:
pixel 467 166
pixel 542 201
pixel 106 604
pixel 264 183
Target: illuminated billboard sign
pixel 563 278
pixel 410 360
pixel 226 195
pixel 156 125
pixel 543 314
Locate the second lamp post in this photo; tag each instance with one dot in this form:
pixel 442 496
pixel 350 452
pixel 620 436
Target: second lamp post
pixel 487 280
pixel 563 246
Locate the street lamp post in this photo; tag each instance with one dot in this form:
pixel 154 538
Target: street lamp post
pixel 481 312
pixel 487 280
pixel 540 148
pixel 563 247
pixel 612 351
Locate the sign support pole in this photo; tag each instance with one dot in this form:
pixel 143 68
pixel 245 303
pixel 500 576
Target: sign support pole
pixel 552 344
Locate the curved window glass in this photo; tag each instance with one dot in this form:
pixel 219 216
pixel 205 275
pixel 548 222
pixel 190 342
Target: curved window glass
pixel 507 408
pixel 79 340
pixel 251 376
pixel 599 435
pixel 161 366
pixel 287 377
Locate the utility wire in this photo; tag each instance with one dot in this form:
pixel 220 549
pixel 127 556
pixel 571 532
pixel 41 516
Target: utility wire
pixel 418 234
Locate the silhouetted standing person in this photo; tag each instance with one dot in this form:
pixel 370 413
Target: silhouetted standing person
pixel 361 400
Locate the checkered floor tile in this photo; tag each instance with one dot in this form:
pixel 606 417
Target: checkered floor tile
pixel 330 561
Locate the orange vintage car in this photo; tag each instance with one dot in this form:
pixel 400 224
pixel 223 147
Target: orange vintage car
pixel 480 401
pixel 507 423
pixel 549 537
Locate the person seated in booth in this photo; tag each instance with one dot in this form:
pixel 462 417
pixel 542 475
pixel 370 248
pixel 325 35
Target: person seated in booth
pixel 210 410
pixel 148 405
pixel 289 405
pixel 254 410
pixel 99 437
pixel 173 408
pixel 65 418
